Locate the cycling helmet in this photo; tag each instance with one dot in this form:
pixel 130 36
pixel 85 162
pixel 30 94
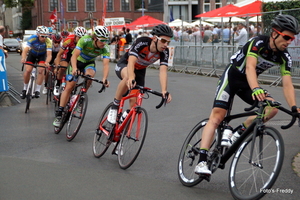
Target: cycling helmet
pixel 286 22
pixel 80 31
pixel 64 34
pixel 162 29
pixel 43 30
pixel 56 38
pixel 101 32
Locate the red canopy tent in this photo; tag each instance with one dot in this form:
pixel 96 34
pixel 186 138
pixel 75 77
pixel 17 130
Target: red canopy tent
pixel 220 12
pixel 145 21
pixel 252 9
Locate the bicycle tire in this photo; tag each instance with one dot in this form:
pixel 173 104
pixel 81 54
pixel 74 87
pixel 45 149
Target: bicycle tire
pixel 189 156
pixel 269 150
pixel 50 83
pixel 129 147
pixel 77 116
pixel 101 141
pixel 64 118
pixel 29 95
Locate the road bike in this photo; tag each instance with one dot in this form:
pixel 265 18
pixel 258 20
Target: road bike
pixel 74 111
pixel 257 155
pixel 31 85
pixel 127 134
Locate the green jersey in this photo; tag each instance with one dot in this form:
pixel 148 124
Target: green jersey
pixel 88 52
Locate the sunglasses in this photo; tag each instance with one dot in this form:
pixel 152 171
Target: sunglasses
pixel 103 40
pixel 43 36
pixel 285 36
pixel 163 40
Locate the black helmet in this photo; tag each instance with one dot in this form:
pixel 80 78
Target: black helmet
pixel 162 29
pixel 286 22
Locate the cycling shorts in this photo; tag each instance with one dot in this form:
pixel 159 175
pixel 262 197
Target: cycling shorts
pixel 31 58
pixel 139 74
pixel 82 67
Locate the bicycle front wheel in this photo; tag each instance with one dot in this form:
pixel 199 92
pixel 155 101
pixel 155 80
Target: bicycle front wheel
pixel 101 140
pixel 50 83
pixel 29 95
pixel 64 119
pixel 76 117
pixel 133 137
pixel 250 179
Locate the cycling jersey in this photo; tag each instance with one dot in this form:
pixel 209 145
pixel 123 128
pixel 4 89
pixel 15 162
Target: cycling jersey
pixel 259 48
pixel 141 50
pixel 68 45
pixel 88 52
pixel 38 48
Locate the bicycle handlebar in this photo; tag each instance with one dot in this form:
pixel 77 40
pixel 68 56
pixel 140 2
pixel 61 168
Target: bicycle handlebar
pixel 146 89
pixel 294 113
pixel 34 65
pixel 93 79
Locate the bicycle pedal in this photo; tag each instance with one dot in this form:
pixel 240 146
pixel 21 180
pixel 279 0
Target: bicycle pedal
pixel 205 177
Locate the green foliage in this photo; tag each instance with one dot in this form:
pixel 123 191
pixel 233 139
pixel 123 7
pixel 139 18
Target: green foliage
pixel 280 7
pixel 26 20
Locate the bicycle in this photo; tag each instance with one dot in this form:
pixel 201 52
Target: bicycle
pixel 257 155
pixel 31 85
pixel 127 135
pixel 76 108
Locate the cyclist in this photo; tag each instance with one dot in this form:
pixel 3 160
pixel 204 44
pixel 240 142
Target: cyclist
pixel 240 77
pixel 64 34
pixel 56 39
pixel 131 68
pixel 83 59
pixel 64 55
pixel 38 48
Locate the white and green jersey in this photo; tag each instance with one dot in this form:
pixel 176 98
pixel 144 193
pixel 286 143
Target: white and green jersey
pixel 88 52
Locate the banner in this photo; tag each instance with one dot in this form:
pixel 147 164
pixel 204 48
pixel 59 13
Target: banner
pixel 114 21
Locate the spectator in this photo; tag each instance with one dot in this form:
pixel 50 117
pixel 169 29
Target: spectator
pixel 225 34
pixel 207 34
pixel 242 35
pixel 128 37
pixel 122 43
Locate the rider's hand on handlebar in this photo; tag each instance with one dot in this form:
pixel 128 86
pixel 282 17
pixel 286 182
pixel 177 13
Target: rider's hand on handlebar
pixel 167 96
pixel 105 82
pixel 258 93
pixel 131 83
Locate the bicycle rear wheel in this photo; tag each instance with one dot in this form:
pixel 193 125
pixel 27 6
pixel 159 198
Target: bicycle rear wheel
pixel 131 143
pixel 189 156
pixel 77 117
pixel 101 140
pixel 250 180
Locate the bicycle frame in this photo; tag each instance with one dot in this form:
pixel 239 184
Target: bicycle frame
pixel 32 82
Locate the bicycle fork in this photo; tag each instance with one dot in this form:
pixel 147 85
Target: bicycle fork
pixel 31 85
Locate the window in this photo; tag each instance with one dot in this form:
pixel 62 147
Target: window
pixel 206 6
pixel 72 24
pixel 87 24
pixel 218 4
pixel 109 6
pixel 72 5
pixel 90 5
pixel 125 5
pixel 54 4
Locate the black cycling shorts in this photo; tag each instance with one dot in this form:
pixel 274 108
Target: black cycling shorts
pixel 139 74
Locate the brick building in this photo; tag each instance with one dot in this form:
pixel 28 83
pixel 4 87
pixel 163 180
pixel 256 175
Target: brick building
pixel 72 13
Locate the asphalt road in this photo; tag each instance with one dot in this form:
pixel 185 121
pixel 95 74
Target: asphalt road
pixel 37 164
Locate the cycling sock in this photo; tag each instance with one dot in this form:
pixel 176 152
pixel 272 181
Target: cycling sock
pixel 25 86
pixel 38 88
pixel 203 155
pixel 116 104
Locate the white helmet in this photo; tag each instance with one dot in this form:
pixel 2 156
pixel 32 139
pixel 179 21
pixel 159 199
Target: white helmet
pixel 80 31
pixel 101 32
pixel 43 30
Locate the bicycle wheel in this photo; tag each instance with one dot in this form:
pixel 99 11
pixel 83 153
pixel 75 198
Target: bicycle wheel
pixel 101 140
pixel 77 117
pixel 250 180
pixel 130 145
pixel 50 83
pixel 29 95
pixel 64 118
pixel 189 156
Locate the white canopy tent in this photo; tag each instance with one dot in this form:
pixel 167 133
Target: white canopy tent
pixel 225 19
pixel 179 22
pixel 197 22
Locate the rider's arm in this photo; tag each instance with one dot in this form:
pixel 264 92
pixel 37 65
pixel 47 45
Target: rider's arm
pixel 48 58
pixel 24 54
pixel 58 56
pixel 130 67
pixel 288 90
pixel 252 76
pixel 163 78
pixel 105 69
pixel 74 57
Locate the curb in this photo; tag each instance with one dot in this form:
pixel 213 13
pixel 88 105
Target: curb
pixel 296 164
pixel 6 101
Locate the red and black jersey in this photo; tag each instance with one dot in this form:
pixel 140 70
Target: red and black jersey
pixel 141 49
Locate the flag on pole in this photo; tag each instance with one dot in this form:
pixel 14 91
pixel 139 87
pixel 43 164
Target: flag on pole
pixel 62 14
pixel 53 17
pixel 171 14
pixel 104 13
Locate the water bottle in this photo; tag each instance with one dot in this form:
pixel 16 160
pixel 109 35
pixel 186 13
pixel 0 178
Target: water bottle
pixel 124 115
pixel 72 99
pixel 227 133
pixel 63 84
